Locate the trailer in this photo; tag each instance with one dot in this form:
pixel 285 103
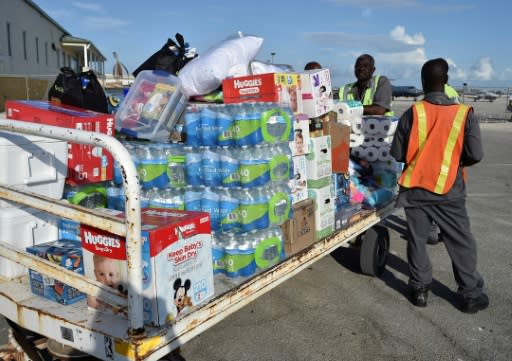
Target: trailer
pixel 40 326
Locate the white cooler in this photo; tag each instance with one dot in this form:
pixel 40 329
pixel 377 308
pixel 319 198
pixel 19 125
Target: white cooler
pixel 36 164
pixel 24 227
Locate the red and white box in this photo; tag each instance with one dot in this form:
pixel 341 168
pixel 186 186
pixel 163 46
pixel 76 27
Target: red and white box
pixel 281 88
pixel 86 163
pixel 316 92
pixel 176 260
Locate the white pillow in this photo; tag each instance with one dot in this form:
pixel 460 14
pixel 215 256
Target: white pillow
pixel 231 57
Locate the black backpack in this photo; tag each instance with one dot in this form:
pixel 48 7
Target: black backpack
pixel 170 58
pixel 81 90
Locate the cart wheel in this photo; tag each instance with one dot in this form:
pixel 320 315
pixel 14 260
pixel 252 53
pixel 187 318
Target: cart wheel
pixel 27 340
pixel 374 251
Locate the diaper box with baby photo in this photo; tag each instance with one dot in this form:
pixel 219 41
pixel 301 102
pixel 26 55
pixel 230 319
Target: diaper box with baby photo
pixel 176 259
pixel 316 92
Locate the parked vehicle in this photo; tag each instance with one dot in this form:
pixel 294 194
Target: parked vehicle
pixel 408 91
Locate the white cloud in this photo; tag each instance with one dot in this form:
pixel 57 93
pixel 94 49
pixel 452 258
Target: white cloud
pixel 104 22
pixel 398 34
pixel 88 6
pixel 454 72
pixel 413 57
pixel 483 70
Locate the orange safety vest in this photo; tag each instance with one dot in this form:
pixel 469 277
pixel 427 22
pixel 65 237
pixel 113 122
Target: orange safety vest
pixel 435 146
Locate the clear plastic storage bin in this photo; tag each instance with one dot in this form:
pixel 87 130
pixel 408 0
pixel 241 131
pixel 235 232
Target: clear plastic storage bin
pixel 152 106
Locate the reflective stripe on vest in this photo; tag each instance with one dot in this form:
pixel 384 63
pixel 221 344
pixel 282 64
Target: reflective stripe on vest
pixel 346 94
pixel 445 163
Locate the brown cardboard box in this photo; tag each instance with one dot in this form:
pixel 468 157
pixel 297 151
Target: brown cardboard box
pixel 340 146
pixel 299 232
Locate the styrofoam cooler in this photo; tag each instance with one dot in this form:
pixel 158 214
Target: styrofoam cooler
pixel 24 227
pixel 36 164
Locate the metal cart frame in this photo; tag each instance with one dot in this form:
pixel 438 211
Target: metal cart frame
pixel 119 338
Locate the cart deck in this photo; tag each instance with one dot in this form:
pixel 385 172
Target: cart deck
pixel 117 337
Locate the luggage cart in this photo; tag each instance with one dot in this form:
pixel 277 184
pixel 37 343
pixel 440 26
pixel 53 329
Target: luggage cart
pixel 36 321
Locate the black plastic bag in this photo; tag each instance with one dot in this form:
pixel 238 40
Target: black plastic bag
pixel 81 90
pixel 170 58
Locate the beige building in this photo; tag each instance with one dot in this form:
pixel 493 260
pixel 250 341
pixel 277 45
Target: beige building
pixel 33 47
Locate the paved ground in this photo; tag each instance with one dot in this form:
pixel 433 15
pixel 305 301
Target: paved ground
pixel 331 311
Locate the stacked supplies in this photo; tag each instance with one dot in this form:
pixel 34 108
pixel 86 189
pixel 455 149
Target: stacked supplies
pixel 371 137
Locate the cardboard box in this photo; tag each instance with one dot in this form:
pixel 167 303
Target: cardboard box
pixel 298 184
pixel 68 254
pixel 86 164
pixel 299 232
pixel 300 143
pixel 340 142
pixel 176 257
pixel 316 91
pixel 282 88
pixel 324 210
pixel 319 162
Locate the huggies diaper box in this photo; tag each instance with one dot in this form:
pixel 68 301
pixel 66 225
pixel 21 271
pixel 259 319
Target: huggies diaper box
pixel 86 163
pixel 176 259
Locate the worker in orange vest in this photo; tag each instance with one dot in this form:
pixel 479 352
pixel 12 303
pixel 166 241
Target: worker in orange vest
pixel 435 139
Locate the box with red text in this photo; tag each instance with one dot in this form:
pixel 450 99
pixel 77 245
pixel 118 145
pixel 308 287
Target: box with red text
pixel 86 163
pixel 177 266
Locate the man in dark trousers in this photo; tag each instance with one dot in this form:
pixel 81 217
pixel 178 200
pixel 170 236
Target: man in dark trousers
pixel 436 138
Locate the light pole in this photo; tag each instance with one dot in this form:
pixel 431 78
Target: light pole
pixel 272 57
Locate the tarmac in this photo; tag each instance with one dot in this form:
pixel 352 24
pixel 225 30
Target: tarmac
pixel 331 311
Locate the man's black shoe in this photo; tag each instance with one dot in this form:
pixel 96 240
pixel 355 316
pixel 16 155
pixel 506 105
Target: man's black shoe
pixel 475 304
pixel 419 297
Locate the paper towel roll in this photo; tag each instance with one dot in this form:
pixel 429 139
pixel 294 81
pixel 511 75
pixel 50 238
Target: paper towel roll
pixel 380 140
pixel 356 124
pixel 348 110
pixel 383 153
pixel 357 152
pixel 387 126
pixel 356 140
pixel 371 154
pixel 371 125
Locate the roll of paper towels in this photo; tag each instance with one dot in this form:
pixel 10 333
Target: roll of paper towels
pixel 387 125
pixel 371 125
pixel 356 140
pixel 383 154
pixel 357 152
pixel 348 110
pixel 371 154
pixel 356 125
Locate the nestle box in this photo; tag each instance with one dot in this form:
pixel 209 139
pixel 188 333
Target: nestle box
pixel 299 232
pixel 176 257
pixel 86 164
pixel 298 184
pixel 319 162
pixel 316 90
pixel 324 210
pixel 67 254
pixel 282 88
pixel 300 143
pixel 340 142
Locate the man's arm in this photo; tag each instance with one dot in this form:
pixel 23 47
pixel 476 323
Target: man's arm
pixel 398 148
pixel 472 151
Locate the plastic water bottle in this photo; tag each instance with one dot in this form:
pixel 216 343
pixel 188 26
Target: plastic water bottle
pixel 112 195
pixel 208 128
pixel 210 167
pixel 210 203
pixel 239 255
pixel 280 162
pixel 193 159
pixel 276 123
pixel 192 124
pixel 153 166
pixel 229 209
pixel 225 125
pixel 218 254
pixel 280 203
pixel 253 209
pixel 175 165
pixel 192 198
pixel 254 123
pixel 229 167
pixel 268 248
pixel 254 167
pixel 247 125
pixel 144 197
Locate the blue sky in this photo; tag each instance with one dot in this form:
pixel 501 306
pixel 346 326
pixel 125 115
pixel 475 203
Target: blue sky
pixel 474 36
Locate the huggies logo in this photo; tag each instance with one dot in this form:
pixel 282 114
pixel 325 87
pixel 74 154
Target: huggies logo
pixel 101 240
pixel 247 83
